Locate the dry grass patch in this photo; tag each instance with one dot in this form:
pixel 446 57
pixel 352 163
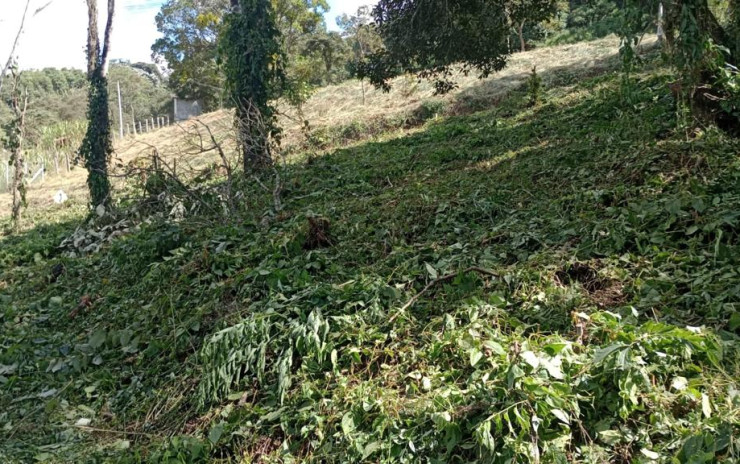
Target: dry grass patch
pixel 185 145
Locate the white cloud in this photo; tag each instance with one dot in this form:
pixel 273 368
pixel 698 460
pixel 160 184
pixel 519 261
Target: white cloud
pixel 56 36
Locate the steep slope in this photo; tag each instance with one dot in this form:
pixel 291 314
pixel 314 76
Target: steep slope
pixel 557 283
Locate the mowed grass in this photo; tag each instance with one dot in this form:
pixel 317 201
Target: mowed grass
pixel 341 113
pixel 576 269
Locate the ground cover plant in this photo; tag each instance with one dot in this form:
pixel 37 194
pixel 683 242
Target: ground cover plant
pixel 548 281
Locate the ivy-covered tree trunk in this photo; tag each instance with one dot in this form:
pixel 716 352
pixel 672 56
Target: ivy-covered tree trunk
pixel 97 145
pixel 16 131
pixel 252 52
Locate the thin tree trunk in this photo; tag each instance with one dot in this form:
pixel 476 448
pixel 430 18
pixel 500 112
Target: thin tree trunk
pixel 522 43
pixel 15 45
pixel 17 187
pixel 661 33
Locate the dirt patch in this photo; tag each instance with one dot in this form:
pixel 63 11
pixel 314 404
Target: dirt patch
pixel 584 274
pixel 604 292
pixel 318 234
pixel 263 448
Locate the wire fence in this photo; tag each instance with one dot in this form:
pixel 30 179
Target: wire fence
pixel 54 151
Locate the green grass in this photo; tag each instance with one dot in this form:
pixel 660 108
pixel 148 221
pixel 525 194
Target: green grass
pixel 608 333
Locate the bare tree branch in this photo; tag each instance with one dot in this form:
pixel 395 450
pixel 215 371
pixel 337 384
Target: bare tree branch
pixel 106 39
pixel 42 8
pixel 15 45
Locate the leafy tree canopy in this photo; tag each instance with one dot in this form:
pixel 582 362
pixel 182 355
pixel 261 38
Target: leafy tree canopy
pixel 361 36
pixel 55 95
pixel 191 30
pixel 189 42
pixel 429 36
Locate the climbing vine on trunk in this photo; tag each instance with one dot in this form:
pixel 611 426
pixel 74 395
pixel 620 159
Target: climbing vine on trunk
pixel 97 145
pixel 253 64
pixel 702 43
pixel 15 130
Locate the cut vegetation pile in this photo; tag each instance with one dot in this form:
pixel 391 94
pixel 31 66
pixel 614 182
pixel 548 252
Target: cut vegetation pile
pixel 558 283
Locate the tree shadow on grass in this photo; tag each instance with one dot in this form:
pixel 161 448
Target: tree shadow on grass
pixel 519 190
pixel 559 181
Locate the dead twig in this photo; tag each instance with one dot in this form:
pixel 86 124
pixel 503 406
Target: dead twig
pixel 116 432
pixel 439 280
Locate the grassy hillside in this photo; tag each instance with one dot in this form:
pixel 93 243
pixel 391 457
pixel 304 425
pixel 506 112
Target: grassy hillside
pixel 558 283
pixel 337 114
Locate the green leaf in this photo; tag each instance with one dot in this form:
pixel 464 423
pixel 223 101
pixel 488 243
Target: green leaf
pixel 370 448
pixel 495 347
pixel 553 367
pixel 561 415
pixel 601 354
pixel 650 454
pixel 432 272
pixel 97 339
pixel 734 322
pixel 216 431
pixel 475 356
pixel 348 423
pixel 333 356
pixel 531 358
pixel 483 436
pixel 611 437
pixel 706 406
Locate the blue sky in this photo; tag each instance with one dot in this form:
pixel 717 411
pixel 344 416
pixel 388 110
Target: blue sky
pixel 56 36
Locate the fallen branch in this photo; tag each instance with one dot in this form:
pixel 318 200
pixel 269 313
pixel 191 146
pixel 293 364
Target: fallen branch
pixel 438 280
pixel 115 432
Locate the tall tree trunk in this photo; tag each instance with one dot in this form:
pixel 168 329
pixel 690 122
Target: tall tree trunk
pixel 252 42
pixel 660 32
pixel 97 145
pixel 716 30
pixel 522 43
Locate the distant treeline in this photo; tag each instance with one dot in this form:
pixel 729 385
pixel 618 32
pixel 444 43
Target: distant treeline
pixel 56 96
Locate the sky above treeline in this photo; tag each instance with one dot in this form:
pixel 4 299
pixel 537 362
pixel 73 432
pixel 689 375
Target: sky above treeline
pixel 55 37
